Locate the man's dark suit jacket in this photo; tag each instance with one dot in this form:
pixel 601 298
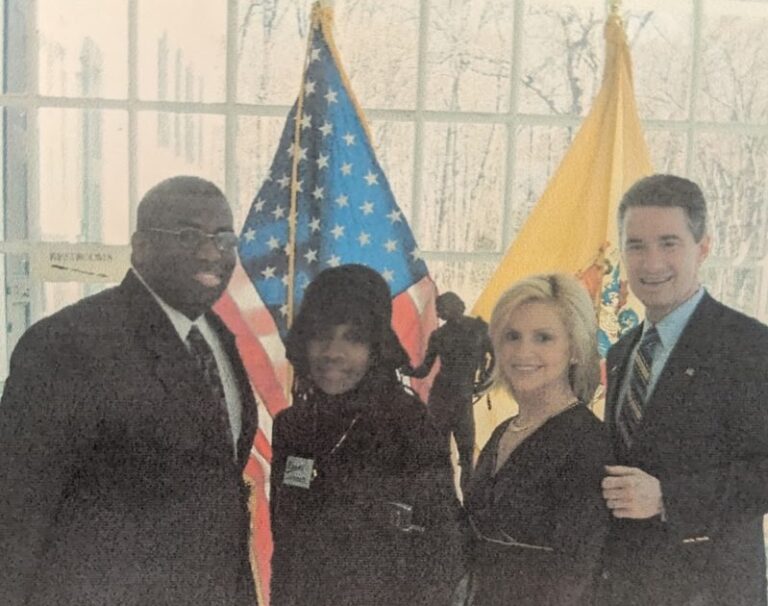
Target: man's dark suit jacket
pixel 116 487
pixel 704 435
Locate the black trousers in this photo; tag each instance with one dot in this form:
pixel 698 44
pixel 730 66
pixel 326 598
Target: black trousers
pixel 451 410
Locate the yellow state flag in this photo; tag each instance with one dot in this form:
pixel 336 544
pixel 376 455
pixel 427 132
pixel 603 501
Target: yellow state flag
pixel 572 228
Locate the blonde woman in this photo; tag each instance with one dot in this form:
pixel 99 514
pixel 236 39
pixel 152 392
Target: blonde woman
pixel 535 509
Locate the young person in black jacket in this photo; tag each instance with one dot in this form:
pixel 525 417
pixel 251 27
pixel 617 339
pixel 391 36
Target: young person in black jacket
pixel 362 501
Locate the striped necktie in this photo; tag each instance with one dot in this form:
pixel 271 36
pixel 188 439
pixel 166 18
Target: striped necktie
pixel 206 362
pixel 631 412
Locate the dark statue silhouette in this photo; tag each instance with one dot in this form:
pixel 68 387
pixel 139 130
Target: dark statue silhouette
pixel 466 360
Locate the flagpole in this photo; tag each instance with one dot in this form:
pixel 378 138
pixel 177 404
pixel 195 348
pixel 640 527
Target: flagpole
pixel 314 23
pixel 322 15
pixel 326 23
pixel 292 213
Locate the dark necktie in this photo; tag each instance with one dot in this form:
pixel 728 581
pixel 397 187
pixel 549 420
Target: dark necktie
pixel 206 362
pixel 631 412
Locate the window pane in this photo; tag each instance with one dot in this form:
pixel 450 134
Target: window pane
pixel 469 58
pixel 733 173
pixel 270 49
pixel 60 294
pixel 83 48
pixel 540 149
pixel 668 150
pixel 182 50
pixel 467 279
pixel 393 144
pixel 563 51
pixel 84 176
pixel 57 295
pixel 257 140
pixel 738 287
pixel 658 30
pixel 734 64
pixel 194 146
pixel 463 183
pixel 378 43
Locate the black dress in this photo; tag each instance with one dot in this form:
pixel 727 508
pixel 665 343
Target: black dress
pixel 547 495
pixel 341 541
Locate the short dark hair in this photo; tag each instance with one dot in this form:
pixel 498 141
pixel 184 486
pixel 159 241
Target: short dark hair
pixel 668 191
pixel 155 203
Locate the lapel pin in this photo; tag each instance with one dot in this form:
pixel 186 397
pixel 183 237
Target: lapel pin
pixel 690 372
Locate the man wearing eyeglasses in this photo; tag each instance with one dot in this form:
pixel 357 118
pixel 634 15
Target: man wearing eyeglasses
pixel 125 425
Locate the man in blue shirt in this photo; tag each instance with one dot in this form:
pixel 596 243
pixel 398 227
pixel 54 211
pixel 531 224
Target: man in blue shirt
pixel 686 411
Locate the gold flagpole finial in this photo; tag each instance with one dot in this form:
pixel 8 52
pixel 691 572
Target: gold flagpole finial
pixel 322 13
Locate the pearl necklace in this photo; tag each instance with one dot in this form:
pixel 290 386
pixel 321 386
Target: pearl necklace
pixel 515 428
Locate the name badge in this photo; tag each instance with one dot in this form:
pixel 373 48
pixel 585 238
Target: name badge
pixel 298 472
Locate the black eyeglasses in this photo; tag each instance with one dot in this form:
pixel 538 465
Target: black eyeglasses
pixel 193 238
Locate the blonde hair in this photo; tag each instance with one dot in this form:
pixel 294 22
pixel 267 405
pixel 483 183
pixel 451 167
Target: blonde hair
pixel 576 311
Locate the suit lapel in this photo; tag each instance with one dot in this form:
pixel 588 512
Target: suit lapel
pixel 187 395
pixel 174 368
pixel 170 362
pixel 684 365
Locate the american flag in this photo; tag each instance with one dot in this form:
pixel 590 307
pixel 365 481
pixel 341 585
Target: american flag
pixel 326 202
pixel 325 176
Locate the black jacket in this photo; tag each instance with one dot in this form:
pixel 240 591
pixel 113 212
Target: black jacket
pixel 337 542
pixel 547 495
pixel 115 488
pixel 704 435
